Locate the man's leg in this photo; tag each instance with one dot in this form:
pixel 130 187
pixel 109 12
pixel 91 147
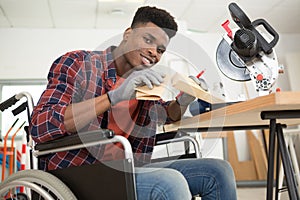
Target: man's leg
pixel 212 179
pixel 161 184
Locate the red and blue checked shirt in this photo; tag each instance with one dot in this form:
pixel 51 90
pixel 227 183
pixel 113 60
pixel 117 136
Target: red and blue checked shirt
pixel 78 76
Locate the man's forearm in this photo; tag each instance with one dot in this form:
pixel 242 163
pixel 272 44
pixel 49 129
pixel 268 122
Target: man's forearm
pixel 175 111
pixel 80 114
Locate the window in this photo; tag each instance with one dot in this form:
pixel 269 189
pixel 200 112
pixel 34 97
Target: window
pixel 9 88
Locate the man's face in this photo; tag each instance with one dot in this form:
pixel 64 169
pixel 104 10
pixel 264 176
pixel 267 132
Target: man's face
pixel 144 45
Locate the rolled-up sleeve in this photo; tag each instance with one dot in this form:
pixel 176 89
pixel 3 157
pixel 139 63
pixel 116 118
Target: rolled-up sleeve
pixel 47 119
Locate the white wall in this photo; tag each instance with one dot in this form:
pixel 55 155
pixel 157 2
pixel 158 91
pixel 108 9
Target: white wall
pixel 293 61
pixel 28 53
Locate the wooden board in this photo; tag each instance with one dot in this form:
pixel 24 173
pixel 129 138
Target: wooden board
pixel 243 170
pixel 158 92
pixel 165 92
pixel 213 134
pixel 243 113
pixel 188 86
pixel 258 155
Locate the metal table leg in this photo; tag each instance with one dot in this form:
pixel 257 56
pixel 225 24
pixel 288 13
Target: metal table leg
pixel 287 165
pixel 271 159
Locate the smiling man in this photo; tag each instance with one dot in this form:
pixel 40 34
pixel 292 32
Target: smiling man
pixel 90 90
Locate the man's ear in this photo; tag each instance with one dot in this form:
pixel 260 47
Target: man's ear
pixel 126 33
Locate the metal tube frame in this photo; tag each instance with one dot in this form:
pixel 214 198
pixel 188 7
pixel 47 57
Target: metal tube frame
pixel 116 138
pixel 276 130
pixel 184 139
pixel 287 165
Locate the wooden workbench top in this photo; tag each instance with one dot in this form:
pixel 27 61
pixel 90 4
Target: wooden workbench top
pixel 245 113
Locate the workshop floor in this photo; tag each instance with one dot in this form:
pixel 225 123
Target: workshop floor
pixel 255 194
pixel 251 193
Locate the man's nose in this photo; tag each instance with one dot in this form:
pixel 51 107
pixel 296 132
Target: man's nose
pixel 153 53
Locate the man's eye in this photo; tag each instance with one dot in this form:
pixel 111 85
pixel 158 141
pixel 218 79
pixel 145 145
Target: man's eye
pixel 147 40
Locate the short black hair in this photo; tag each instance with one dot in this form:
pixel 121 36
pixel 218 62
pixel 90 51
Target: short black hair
pixel 159 17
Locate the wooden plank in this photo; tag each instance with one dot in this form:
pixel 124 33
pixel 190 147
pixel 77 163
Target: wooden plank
pixel 166 91
pixel 258 155
pixel 243 170
pixel 222 134
pixel 243 113
pixel 188 86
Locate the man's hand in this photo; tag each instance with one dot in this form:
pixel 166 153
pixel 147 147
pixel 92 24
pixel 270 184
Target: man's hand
pixel 126 90
pixel 184 99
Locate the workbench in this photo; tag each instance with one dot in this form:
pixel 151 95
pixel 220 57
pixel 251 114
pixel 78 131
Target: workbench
pixel 273 111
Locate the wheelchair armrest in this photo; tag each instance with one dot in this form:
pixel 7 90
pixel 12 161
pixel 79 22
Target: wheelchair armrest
pixel 83 140
pixel 173 137
pixel 168 136
pixel 75 139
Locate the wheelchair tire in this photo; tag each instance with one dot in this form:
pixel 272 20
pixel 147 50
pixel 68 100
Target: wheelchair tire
pixel 41 179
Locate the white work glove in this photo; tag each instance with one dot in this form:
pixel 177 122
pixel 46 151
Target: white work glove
pixel 126 90
pixel 184 99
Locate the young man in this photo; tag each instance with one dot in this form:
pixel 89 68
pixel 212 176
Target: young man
pixel 88 90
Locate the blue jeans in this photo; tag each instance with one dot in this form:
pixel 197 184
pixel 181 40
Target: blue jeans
pixel 212 179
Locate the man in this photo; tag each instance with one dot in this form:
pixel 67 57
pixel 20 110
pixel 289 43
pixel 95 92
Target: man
pixel 88 90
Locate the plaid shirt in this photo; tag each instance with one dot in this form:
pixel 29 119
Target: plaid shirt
pixel 78 76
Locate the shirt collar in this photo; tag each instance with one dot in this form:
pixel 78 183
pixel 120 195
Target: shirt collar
pixel 109 65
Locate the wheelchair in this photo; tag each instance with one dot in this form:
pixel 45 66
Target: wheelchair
pixel 96 181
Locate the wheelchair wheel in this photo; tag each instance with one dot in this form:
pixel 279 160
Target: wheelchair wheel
pixel 19 196
pixel 36 184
